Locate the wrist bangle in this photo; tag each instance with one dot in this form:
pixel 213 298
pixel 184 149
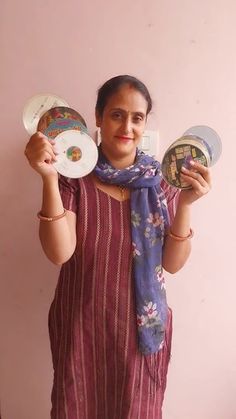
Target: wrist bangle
pixel 180 238
pixel 55 218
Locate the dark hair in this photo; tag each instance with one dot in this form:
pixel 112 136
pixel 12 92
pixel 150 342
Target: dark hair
pixel 114 84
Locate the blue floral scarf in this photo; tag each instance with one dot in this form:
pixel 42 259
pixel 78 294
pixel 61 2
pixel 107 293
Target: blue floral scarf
pixel 149 219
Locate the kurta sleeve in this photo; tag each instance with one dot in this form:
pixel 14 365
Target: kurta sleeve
pixel 69 191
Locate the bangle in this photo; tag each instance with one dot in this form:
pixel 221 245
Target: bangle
pixel 180 238
pixel 57 217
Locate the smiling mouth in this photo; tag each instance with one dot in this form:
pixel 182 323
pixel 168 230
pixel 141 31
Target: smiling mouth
pixel 124 138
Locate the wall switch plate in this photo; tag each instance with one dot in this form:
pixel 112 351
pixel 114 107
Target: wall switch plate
pixel 150 143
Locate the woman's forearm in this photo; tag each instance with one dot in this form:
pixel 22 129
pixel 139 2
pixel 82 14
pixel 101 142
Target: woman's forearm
pixel 58 238
pixel 176 252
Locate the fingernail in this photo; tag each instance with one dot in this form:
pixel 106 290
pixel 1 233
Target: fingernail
pixel 192 162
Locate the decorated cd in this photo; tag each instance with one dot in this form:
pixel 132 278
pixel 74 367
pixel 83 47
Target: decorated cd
pixel 57 114
pixel 36 107
pixel 60 125
pixel 179 154
pixel 77 154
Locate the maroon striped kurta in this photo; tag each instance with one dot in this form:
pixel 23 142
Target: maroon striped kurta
pixel 98 371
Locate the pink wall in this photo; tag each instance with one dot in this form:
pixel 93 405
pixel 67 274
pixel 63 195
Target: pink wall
pixel 185 52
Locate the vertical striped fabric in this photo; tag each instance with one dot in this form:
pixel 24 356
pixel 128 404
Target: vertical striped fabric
pixel 98 371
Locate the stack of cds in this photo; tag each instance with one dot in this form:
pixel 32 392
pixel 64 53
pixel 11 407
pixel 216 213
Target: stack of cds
pixel 199 143
pixel 76 151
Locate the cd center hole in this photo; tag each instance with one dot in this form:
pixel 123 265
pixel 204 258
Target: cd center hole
pixel 74 153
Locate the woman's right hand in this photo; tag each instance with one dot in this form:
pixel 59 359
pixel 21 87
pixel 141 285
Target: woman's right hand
pixel 40 154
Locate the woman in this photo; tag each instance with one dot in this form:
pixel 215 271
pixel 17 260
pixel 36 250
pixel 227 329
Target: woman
pixel 113 232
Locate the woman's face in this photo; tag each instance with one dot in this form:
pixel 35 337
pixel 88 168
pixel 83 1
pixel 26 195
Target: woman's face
pixel 122 125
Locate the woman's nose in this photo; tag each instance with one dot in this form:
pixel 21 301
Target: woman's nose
pixel 127 125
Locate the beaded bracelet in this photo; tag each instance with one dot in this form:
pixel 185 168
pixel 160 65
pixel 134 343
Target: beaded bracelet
pixel 57 217
pixel 180 238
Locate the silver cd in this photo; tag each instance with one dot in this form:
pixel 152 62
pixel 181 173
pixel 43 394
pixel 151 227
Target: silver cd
pixel 210 138
pixel 77 154
pixel 36 106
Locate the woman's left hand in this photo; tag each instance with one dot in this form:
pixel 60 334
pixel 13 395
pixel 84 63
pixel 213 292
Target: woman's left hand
pixel 199 178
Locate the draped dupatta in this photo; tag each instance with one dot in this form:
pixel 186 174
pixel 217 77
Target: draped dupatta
pixel 149 220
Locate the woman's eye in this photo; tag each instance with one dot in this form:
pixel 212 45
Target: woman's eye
pixel 116 115
pixel 138 118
